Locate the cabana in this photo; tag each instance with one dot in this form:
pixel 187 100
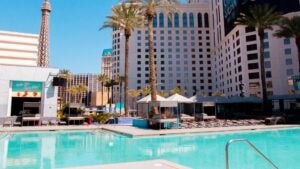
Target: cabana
pixel 165 117
pixel 210 102
pixel 180 100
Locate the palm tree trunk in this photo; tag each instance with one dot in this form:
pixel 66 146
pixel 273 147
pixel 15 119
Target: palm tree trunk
pixel 151 61
pixel 108 90
pixel 127 36
pixel 120 88
pixel 298 48
pixel 102 93
pixel 263 71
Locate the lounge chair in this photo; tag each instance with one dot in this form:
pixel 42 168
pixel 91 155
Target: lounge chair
pixel 186 117
pixel 275 120
pixel 204 116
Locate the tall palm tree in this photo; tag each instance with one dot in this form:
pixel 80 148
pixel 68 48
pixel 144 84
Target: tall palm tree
pixel 80 90
pixel 261 17
pixel 177 90
pixel 72 90
pixel 66 74
pixel 134 94
pixel 145 90
pixel 149 7
pixel 290 28
pixel 120 80
pixel 102 78
pixel 125 17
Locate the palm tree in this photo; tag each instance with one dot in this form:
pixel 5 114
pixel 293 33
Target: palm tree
pixel 177 90
pixel 162 93
pixel 134 94
pixel 80 90
pixel 120 80
pixel 102 78
pixel 149 7
pixel 125 17
pixel 290 28
pixel 261 17
pixel 218 93
pixel 145 90
pixel 73 92
pixel 66 74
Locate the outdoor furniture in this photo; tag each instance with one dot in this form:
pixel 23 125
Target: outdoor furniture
pixel 275 120
pixel 161 122
pixel 75 119
pixel 186 117
pixel 34 119
pixel 204 116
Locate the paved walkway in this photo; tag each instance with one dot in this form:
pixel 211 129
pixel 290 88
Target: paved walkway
pixel 153 164
pixel 133 131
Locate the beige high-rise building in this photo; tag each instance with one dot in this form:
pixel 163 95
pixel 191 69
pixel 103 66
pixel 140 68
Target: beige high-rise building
pixel 18 49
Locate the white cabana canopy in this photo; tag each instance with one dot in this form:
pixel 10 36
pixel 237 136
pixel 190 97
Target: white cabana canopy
pixel 147 99
pixel 179 99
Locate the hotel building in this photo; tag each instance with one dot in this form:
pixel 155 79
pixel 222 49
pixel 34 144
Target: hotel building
pixel 182 45
pixel 199 49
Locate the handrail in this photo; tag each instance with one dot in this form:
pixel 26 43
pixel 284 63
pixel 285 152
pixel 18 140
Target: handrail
pixel 249 144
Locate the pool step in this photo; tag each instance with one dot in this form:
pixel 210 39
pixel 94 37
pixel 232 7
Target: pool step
pixel 159 164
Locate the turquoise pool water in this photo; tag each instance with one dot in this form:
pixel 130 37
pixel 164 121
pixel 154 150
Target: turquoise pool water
pixel 198 151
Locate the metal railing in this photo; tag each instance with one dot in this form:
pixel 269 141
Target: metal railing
pixel 250 145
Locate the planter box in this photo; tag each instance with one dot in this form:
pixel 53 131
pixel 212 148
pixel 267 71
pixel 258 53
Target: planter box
pixel 142 123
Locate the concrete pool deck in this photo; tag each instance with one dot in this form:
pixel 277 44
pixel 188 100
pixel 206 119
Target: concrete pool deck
pixel 138 132
pixel 152 164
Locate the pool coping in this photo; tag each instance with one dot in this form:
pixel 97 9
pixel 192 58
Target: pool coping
pixel 149 164
pixel 140 132
pixel 137 132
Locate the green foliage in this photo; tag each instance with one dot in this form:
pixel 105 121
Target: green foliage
pixel 101 118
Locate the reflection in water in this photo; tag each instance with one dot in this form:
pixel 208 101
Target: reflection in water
pixel 69 149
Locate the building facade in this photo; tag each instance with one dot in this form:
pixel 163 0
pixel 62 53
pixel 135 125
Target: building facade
pixel 106 62
pixel 236 52
pixel 18 49
pixel 198 48
pixel 182 43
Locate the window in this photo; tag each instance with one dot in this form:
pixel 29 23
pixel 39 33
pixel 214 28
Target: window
pixel 253 56
pixel 155 21
pixel 161 20
pixel 176 20
pixel 252 66
pixel 266 45
pixel 267 54
pixel 254 75
pixel 287 41
pixel 289 72
pixel 266 35
pixel 251 47
pixel 199 18
pixel 288 51
pixel 191 20
pixel 288 61
pixel 184 20
pixel 267 64
pixel 206 22
pixel 268 74
pixel 250 38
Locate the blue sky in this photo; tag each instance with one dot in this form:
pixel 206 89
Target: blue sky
pixel 75 40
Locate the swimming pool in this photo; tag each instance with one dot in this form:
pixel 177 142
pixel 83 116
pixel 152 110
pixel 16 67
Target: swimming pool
pixel 199 151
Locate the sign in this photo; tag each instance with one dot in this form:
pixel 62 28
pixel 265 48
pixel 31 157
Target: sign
pixel 27 89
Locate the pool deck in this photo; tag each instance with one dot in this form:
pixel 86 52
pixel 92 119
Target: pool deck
pixel 138 132
pixel 153 164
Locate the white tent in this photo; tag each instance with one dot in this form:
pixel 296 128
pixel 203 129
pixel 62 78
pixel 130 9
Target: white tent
pixel 179 99
pixel 147 99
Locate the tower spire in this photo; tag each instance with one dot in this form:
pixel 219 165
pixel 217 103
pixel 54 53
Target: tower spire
pixel 43 51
